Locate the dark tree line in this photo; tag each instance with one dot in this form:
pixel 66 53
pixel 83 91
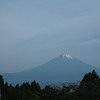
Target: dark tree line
pixel 89 89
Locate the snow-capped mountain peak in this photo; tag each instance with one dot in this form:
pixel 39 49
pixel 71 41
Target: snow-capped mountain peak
pixel 67 56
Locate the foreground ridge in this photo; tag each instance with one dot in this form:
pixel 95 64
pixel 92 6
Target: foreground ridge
pixel 88 89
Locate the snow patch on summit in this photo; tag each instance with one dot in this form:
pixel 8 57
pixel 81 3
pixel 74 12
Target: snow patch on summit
pixel 67 56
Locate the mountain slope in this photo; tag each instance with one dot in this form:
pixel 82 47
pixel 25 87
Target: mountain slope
pixel 61 69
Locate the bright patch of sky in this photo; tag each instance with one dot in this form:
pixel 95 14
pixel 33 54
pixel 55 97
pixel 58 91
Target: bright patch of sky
pixel 35 31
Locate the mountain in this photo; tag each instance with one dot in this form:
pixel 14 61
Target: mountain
pixel 63 68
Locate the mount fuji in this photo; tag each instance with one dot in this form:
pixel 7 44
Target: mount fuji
pixel 63 68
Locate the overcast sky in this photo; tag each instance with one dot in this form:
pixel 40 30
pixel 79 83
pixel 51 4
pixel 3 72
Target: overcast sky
pixel 34 31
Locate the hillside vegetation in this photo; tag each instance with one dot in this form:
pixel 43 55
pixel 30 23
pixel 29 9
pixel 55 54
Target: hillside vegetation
pixel 88 89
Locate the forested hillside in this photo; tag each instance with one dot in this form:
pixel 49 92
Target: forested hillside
pixel 88 89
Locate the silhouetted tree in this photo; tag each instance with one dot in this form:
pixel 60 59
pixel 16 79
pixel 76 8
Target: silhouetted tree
pixel 2 87
pixel 90 77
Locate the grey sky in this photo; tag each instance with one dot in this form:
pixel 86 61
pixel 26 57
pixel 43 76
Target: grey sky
pixel 35 31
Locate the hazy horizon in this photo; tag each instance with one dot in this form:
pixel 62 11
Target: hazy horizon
pixel 33 32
